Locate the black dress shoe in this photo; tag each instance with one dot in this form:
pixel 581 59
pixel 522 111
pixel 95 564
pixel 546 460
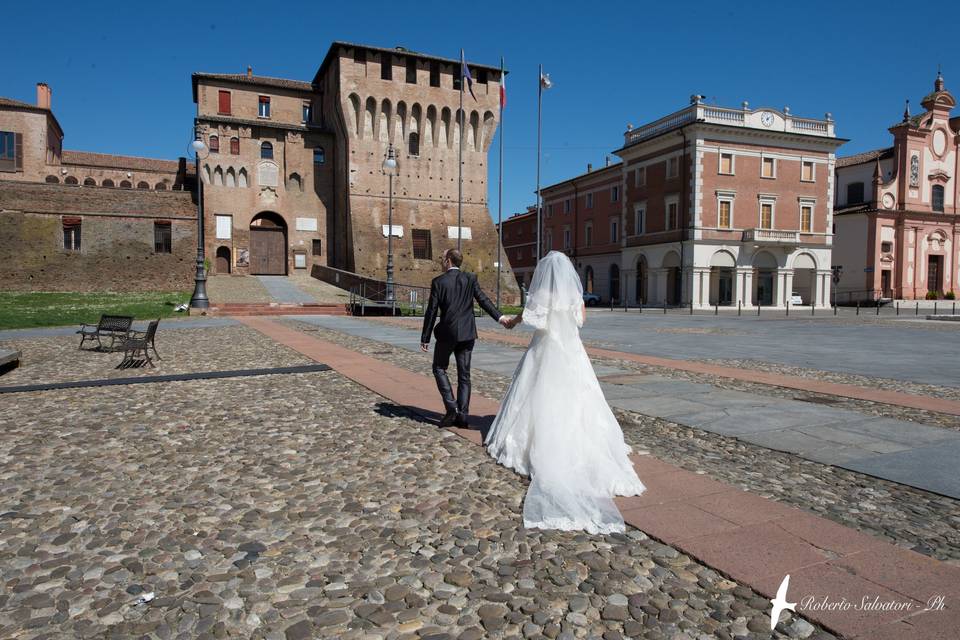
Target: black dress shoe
pixel 460 421
pixel 448 419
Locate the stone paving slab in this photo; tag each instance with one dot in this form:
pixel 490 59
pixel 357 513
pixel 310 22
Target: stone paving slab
pixel 284 290
pixel 935 467
pixel 759 543
pixel 8 356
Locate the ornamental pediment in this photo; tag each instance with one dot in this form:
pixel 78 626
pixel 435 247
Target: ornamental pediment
pixel 939 175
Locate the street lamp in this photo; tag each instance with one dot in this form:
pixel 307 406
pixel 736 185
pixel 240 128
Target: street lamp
pixel 390 169
pixel 199 298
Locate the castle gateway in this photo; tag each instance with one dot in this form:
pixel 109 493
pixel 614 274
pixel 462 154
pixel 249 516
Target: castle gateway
pixel 293 178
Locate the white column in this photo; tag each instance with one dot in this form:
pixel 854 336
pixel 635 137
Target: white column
pixel 701 287
pixel 746 290
pixel 824 281
pixel 787 286
pixel 659 295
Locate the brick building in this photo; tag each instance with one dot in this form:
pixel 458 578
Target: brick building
pixel 294 175
pixel 520 245
pixel 709 206
pixel 73 220
pixel 897 218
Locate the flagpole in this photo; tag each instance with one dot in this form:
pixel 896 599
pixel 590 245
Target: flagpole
pixel 500 190
pixel 460 161
pixel 539 110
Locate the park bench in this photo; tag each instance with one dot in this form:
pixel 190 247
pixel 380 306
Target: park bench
pixel 112 327
pixel 136 347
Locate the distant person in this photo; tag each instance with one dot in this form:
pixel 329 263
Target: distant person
pixel 554 423
pixel 452 294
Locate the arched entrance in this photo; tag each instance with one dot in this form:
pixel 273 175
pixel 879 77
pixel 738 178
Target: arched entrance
pixel 805 278
pixel 671 263
pixel 268 245
pixel 614 283
pixel 722 266
pixel 765 278
pixel 641 284
pixel 223 260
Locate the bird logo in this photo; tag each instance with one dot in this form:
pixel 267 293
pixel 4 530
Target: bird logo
pixel 780 603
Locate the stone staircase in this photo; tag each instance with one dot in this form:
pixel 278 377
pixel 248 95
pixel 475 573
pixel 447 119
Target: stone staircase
pixel 276 309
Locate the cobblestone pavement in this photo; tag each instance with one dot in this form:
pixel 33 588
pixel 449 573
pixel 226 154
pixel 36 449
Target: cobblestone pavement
pixel 302 506
pixel 911 518
pixel 57 359
pixel 221 289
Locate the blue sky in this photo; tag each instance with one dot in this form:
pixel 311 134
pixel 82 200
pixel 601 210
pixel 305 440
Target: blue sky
pixel 121 77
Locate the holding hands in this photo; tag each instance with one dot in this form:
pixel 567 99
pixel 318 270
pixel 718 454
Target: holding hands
pixel 510 323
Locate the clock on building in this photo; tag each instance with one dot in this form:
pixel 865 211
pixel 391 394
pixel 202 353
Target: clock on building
pixel 766 118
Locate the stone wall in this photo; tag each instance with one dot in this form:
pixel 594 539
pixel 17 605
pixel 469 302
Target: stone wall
pixel 117 239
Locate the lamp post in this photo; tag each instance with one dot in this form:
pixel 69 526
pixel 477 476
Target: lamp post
pixel 199 298
pixel 390 169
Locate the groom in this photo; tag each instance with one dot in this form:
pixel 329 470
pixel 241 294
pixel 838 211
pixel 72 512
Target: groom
pixel 453 294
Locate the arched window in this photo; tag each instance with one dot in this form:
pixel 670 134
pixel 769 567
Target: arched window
pixel 235 146
pixel 319 155
pixel 125 184
pixel 937 197
pixel 53 179
pixel 242 179
pixel 107 183
pixel 266 151
pixel 71 180
pixel 161 186
pixel 89 182
pixel 214 144
pixel 414 144
pixel 143 185
pixel 294 183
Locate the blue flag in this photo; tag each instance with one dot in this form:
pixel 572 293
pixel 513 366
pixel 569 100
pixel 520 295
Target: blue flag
pixel 465 75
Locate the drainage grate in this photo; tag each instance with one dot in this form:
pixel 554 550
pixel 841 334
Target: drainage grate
pixel 817 399
pixel 175 377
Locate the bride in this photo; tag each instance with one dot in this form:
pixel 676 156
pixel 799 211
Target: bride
pixel 554 423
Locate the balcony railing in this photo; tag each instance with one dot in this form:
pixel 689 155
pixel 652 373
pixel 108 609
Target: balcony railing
pixel 722 115
pixel 771 236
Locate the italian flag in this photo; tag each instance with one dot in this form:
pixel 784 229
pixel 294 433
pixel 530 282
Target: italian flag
pixel 503 90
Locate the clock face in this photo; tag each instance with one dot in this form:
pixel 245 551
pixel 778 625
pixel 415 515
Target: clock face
pixel 766 118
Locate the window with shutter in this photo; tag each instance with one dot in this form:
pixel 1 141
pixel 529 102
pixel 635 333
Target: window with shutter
pixel 224 103
pixel 235 146
pixel 8 151
pixel 71 234
pixel 421 244
pixel 19 152
pixel 316 247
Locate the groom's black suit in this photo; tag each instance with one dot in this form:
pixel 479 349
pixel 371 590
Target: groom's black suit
pixel 453 293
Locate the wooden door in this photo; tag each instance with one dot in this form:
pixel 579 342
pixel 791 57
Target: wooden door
pixel 268 255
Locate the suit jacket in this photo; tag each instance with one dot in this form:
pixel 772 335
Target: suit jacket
pixel 453 293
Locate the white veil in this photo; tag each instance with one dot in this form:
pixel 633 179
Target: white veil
pixel 555 293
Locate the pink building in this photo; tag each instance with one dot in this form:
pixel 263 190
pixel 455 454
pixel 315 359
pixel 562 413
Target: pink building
pixel 896 214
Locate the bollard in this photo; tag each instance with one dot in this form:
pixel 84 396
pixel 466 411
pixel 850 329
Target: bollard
pixel 640 305
pixel 953 309
pixel 934 307
pixel 858 307
pixel 916 310
pixel 716 308
pixel 739 303
pixel 878 307
pixel 691 306
pixel 897 305
pixel 664 307
pixel 834 307
pixel 788 308
pixel 611 303
pixel 758 308
pixel 813 308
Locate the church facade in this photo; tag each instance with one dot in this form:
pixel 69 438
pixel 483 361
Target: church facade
pixel 896 210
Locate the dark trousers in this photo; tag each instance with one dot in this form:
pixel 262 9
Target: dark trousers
pixel 441 360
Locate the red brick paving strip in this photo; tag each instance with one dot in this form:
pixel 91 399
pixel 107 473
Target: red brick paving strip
pixel 753 540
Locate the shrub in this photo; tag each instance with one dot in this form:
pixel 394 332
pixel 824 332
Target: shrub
pixel 949 295
pixel 932 295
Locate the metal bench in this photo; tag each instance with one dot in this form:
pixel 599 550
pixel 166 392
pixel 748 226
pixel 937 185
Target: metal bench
pixel 112 327
pixel 136 347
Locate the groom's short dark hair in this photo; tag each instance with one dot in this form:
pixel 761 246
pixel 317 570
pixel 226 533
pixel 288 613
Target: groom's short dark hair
pixel 455 257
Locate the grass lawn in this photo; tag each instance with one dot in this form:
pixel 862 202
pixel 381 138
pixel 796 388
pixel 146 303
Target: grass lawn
pixel 51 308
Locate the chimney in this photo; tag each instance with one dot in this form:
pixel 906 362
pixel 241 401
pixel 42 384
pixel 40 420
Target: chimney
pixel 249 71
pixel 589 167
pixel 606 162
pixel 44 94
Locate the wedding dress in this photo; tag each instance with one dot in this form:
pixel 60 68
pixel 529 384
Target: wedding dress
pixel 554 423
